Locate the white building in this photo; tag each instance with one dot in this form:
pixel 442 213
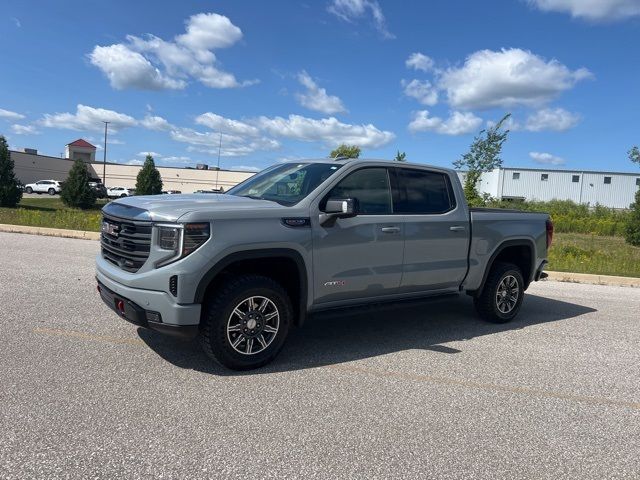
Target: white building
pixel 610 189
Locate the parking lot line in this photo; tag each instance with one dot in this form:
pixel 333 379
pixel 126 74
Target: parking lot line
pixel 88 336
pixel 488 386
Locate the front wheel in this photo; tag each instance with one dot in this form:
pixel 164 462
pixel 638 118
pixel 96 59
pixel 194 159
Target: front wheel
pixel 502 294
pixel 28 190
pixel 123 195
pixel 246 323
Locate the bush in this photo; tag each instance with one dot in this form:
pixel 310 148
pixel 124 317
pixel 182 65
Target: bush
pixel 148 181
pixel 10 194
pixel 76 192
pixel 632 228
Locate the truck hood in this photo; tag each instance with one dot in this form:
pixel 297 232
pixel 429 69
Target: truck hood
pixel 169 208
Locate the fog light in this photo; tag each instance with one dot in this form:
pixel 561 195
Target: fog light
pixel 173 285
pixel 153 316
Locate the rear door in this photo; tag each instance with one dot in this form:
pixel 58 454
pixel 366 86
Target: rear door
pixel 359 257
pixel 436 230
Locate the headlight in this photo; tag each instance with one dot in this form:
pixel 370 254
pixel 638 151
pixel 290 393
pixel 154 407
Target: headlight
pixel 181 240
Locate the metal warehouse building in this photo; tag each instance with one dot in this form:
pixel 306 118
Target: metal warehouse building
pixel 610 189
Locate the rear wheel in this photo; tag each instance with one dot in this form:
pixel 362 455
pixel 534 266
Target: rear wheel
pixel 123 195
pixel 502 294
pixel 246 323
pixel 52 191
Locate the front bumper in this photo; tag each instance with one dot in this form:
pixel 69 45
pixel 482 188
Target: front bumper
pixel 149 308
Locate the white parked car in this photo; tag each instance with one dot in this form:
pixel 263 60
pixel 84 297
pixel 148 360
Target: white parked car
pixel 117 192
pixel 43 186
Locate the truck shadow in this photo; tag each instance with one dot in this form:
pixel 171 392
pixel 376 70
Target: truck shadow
pixel 347 335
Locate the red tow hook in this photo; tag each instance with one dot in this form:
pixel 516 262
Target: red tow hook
pixel 120 306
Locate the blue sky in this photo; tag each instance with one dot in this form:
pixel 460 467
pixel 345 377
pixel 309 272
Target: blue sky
pixel 289 80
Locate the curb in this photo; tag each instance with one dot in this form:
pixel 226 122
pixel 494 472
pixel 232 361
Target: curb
pixel 593 279
pixel 553 276
pixel 50 232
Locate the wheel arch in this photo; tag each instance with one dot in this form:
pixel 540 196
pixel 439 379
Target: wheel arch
pixel 284 265
pixel 520 252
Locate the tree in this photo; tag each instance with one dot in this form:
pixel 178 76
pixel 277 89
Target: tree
pixel 634 154
pixel 346 151
pixel 10 194
pixel 76 192
pixel 400 157
pixel 632 228
pixel 483 155
pixel 148 181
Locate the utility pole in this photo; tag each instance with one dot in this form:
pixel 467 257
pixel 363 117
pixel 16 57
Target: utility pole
pixel 218 170
pixel 104 158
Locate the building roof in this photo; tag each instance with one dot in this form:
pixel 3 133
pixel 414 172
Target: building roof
pixel 81 143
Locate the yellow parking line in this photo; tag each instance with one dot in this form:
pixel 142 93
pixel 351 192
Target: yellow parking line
pixel 88 336
pixel 488 386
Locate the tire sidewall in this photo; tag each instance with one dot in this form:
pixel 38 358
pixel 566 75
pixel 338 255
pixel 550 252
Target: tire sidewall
pixel 505 317
pixel 218 318
pixel 29 190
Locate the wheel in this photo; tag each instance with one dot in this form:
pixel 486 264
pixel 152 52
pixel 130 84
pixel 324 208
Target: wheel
pixel 28 190
pixel 123 195
pixel 502 294
pixel 52 191
pixel 246 322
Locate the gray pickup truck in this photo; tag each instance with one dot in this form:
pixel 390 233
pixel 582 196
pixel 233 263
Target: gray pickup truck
pixel 240 269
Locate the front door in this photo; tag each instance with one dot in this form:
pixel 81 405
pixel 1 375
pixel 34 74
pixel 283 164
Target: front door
pixel 359 257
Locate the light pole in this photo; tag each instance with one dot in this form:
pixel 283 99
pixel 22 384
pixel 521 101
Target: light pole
pixel 104 158
pixel 218 170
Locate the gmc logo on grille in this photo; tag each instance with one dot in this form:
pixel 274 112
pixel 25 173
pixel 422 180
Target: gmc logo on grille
pixel 110 229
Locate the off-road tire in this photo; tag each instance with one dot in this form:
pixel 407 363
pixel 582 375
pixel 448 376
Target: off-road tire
pixel 219 308
pixel 487 302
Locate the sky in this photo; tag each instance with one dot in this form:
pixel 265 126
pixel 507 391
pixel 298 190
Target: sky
pixel 283 80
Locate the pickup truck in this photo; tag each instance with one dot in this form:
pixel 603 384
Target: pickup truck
pixel 238 270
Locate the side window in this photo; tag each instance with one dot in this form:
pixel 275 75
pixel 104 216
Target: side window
pixel 370 186
pixel 426 192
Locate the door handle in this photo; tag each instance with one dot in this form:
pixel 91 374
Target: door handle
pixel 457 228
pixel 390 229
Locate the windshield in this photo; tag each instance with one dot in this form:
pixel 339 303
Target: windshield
pixel 286 184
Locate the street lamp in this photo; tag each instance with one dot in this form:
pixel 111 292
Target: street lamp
pixel 104 158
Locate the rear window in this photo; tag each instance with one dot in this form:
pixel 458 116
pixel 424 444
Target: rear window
pixel 424 192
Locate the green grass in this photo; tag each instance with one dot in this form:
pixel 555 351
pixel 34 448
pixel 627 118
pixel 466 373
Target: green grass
pixel 580 253
pixel 51 212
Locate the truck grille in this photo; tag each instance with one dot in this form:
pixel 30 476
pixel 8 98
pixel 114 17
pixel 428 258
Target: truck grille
pixel 125 243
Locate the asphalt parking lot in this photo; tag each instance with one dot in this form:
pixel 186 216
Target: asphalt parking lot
pixel 424 390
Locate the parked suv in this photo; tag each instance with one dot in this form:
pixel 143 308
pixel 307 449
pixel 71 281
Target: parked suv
pixel 118 192
pixel 240 269
pixel 98 188
pixel 44 186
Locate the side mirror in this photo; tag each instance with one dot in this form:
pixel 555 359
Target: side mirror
pixel 338 208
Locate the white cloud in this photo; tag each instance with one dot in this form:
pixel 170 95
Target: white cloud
pixel 154 122
pixel 152 63
pixel 232 145
pixel 16 21
pixel 351 10
pixel 593 10
pixel 419 61
pixel 175 159
pixel 24 129
pixel 245 168
pixel 546 159
pixel 134 161
pixel 226 125
pixel 153 154
pixel 507 78
pixel 128 69
pixel 556 119
pixel 88 119
pixel 458 123
pixel 423 91
pixel 316 98
pixel 330 131
pixel 10 115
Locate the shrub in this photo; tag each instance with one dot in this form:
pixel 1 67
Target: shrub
pixel 632 228
pixel 10 194
pixel 76 192
pixel 148 181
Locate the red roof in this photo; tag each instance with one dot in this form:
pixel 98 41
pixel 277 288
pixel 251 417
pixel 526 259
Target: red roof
pixel 81 143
